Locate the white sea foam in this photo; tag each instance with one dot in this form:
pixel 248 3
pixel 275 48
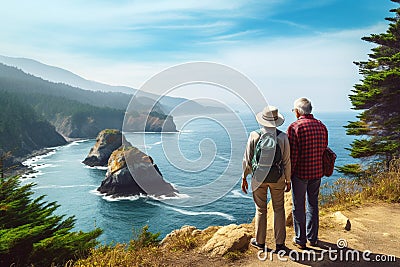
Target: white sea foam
pixel 136 197
pixel 76 143
pixel 156 143
pixel 82 141
pixel 44 165
pixel 223 158
pixel 237 194
pixel 103 168
pixel 28 178
pixel 114 199
pixel 32 175
pixel 30 161
pixel 196 213
pixel 163 197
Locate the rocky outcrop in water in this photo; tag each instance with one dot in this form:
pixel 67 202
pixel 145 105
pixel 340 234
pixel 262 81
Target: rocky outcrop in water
pixel 87 126
pixel 153 122
pixel 139 178
pixel 106 142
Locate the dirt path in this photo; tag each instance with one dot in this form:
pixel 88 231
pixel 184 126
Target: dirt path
pixel 374 227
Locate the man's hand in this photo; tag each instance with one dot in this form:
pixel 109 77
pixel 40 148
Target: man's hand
pixel 245 186
pixel 288 186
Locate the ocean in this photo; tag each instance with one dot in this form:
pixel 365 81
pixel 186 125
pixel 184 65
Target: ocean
pixel 63 178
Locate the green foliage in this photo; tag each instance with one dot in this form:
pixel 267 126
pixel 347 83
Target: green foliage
pixel 352 170
pixel 21 129
pixel 111 131
pixel 144 238
pixel 49 107
pixel 30 233
pixel 158 115
pixel 80 113
pixel 378 98
pixel 143 250
pixel 16 81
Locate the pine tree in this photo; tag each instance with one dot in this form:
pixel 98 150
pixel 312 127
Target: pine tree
pixel 378 97
pixel 30 234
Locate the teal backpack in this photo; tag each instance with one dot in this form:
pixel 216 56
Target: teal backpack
pixel 267 159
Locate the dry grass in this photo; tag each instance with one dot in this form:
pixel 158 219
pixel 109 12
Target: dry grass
pixel 183 249
pixel 376 185
pixel 120 255
pixel 144 250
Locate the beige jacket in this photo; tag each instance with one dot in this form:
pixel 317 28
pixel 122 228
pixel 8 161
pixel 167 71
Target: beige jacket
pixel 283 142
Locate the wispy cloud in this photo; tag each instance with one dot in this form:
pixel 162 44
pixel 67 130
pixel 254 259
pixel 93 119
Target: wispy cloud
pixel 292 24
pixel 283 44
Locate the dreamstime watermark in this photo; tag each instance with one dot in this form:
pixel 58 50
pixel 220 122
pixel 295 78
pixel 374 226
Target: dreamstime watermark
pixel 341 254
pixel 225 83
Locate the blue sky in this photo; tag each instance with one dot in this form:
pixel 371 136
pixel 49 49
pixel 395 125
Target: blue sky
pixel 288 48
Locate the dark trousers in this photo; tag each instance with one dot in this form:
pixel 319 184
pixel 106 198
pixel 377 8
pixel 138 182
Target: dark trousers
pixel 305 217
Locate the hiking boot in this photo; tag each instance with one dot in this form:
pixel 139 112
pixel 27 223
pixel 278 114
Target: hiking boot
pixel 280 247
pixel 314 243
pixel 254 243
pixel 300 246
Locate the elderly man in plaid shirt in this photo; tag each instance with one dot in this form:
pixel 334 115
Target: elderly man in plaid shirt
pixel 308 138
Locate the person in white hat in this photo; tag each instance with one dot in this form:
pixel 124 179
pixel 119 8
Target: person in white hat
pixel 269 118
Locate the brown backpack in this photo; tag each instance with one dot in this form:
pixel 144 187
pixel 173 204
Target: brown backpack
pixel 328 161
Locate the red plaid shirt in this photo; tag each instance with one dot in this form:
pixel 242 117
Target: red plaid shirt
pixel 308 138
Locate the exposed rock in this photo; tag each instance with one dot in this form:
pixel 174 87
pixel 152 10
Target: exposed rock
pixel 87 126
pixel 106 142
pixel 210 230
pixel 149 123
pixel 121 180
pixel 342 220
pixel 228 238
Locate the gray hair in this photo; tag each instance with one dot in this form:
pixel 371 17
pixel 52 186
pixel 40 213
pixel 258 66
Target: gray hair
pixel 303 106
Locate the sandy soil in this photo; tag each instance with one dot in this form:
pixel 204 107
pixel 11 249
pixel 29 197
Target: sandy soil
pixel 374 228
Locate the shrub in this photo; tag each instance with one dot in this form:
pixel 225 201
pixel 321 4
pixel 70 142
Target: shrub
pixel 30 234
pixel 377 183
pixel 144 238
pixel 143 250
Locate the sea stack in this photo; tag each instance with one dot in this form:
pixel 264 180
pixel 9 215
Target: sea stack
pixel 122 180
pixel 107 141
pixel 140 177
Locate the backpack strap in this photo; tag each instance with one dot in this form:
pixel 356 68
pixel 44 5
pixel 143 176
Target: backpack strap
pixel 260 132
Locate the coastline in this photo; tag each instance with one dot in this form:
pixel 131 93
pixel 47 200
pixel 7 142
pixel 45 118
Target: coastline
pixel 25 169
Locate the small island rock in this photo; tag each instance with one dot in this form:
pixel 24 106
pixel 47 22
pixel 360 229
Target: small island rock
pixel 121 180
pixel 107 141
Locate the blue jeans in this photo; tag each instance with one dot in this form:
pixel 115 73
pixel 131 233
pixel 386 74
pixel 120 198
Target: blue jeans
pixel 305 218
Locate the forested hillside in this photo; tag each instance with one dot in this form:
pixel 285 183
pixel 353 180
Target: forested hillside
pixel 72 118
pixel 17 81
pixel 22 130
pixel 75 112
pixel 35 113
